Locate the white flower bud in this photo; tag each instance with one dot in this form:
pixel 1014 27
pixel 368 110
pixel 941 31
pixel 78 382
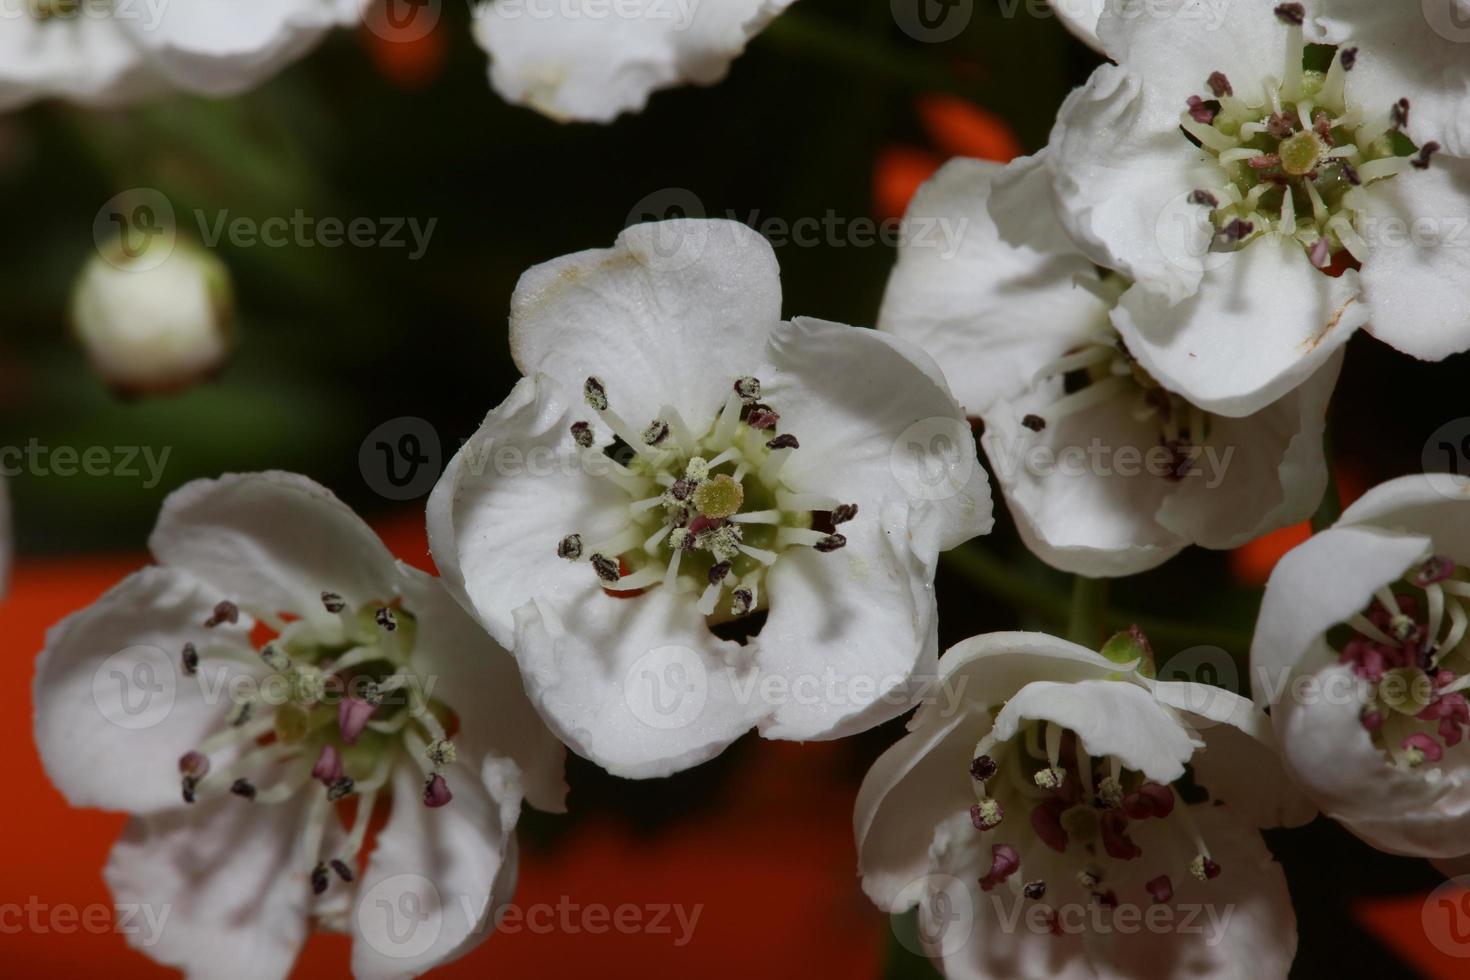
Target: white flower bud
pixel 149 326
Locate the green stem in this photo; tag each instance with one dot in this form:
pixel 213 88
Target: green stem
pixel 991 576
pixel 1087 620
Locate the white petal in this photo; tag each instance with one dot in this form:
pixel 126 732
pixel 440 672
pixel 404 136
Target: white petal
pixel 1086 513
pixel 1111 718
pixel 852 635
pixel 114 710
pixel 221 47
pixel 1263 321
pixel 515 490
pixel 1430 504
pixel 1081 18
pixel 639 686
pixel 479 680
pixel 584 60
pixel 1417 279
pixel 86 59
pixel 913 787
pixel 997 301
pixel 988 669
pixel 1123 173
pixel 428 894
pixel 863 403
pixel 1333 758
pixel 1413 51
pixel 671 314
pixel 1315 587
pixel 274 541
pixel 1258 473
pixel 223 885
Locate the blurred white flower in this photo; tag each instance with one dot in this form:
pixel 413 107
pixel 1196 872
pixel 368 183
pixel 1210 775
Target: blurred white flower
pixel 678 457
pixel 591 60
pixel 108 53
pixel 1066 795
pixel 151 325
pixel 1106 471
pixel 1361 653
pixel 233 752
pixel 1225 179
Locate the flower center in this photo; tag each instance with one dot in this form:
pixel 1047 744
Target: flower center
pixel 1298 159
pixel 1100 369
pixel 1079 817
pixel 708 510
pixel 1410 647
pixel 55 9
pixel 341 704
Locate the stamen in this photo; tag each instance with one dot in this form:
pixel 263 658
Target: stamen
pixel 582 434
pixel 570 547
pixel 328 767
pixel 190 660
pixel 352 717
pixel 987 814
pixel 436 792
pixel 224 612
pixel 333 603
pixel 982 768
pixel 243 787
pixel 1004 862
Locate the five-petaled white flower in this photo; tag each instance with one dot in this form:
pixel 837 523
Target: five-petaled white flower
pixel 1058 813
pixel 587 60
pixel 1106 471
pixel 1241 173
pixel 1361 651
pixel 112 53
pixel 678 457
pixel 253 698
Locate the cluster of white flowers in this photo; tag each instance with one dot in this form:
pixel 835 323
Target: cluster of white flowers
pixel 688 505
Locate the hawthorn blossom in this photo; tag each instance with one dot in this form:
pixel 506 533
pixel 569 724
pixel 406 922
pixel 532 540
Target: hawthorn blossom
pixel 154 325
pixel 118 52
pixel 588 60
pixel 680 469
pixel 1107 471
pixel 1243 175
pixel 1361 652
pixel 1068 795
pixel 253 699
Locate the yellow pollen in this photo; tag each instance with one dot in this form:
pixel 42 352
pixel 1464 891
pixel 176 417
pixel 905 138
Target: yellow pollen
pixel 1300 153
pixel 719 497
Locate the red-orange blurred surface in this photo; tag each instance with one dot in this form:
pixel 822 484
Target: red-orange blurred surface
pixel 771 869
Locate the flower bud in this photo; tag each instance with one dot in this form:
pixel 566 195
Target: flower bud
pixel 150 327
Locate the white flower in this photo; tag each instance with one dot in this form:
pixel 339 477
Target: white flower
pixel 1361 651
pixel 168 698
pixel 678 457
pixel 1053 795
pixel 1106 471
pixel 1223 178
pixel 590 60
pixel 115 53
pixel 154 326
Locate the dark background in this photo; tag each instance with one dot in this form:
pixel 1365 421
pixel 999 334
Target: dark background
pixel 334 343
